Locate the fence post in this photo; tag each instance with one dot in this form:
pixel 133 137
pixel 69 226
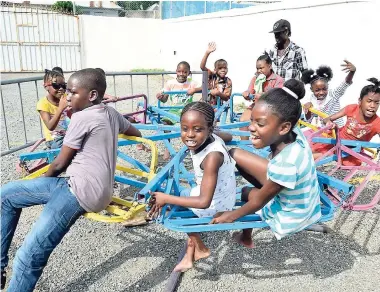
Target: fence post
pixel 204 85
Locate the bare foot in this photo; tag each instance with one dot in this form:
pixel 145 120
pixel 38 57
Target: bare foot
pixel 166 155
pixel 183 265
pixel 201 254
pixel 247 242
pixel 142 147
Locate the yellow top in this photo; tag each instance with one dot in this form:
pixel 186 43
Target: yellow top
pixel 46 106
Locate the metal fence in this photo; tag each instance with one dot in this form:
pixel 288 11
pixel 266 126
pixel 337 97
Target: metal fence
pixel 20 122
pixel 35 38
pixel 174 9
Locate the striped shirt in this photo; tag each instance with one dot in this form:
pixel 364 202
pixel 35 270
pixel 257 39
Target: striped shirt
pixel 331 104
pixel 297 205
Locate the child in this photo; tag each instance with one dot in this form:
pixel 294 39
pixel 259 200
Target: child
pixel 89 154
pixel 52 109
pixel 287 192
pixel 323 99
pixel 178 84
pixel 218 82
pixel 263 80
pixel 107 96
pixel 214 172
pixel 57 69
pixel 362 121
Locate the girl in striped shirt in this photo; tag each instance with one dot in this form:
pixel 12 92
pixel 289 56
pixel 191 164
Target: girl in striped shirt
pixel 287 192
pixel 323 99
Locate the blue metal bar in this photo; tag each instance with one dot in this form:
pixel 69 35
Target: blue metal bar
pixel 157 127
pixel 234 125
pixel 163 174
pixel 133 161
pixel 335 183
pixel 166 114
pixel 129 181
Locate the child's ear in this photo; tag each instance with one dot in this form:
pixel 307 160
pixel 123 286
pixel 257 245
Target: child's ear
pixel 93 95
pixel 285 128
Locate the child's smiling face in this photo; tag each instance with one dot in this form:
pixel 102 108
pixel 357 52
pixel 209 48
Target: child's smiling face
pixel 59 82
pixel 221 69
pixel 266 128
pixel 194 129
pixel 320 89
pixel 182 73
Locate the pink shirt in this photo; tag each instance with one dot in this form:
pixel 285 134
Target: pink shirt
pixel 273 81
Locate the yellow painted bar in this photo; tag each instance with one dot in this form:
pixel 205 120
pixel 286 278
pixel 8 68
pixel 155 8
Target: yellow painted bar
pixel 37 173
pixel 132 171
pixel 153 147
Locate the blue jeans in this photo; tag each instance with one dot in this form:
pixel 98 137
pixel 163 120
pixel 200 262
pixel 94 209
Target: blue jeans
pixel 60 213
pixel 56 143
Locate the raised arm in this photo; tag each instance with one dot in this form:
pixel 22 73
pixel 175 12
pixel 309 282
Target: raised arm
pixel 211 48
pixel 349 68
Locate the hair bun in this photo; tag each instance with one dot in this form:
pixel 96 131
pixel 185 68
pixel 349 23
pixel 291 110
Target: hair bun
pixel 297 87
pixel 375 81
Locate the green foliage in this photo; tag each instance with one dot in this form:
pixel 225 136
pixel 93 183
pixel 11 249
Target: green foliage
pixel 136 5
pixel 63 6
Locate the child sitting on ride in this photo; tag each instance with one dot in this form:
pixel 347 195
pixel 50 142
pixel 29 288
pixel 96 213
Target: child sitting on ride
pixel 107 96
pixel 263 80
pixel 323 99
pixel 88 155
pixel 362 121
pixel 135 119
pixel 178 84
pixel 218 82
pixel 214 172
pixel 57 69
pixel 53 109
pixel 286 192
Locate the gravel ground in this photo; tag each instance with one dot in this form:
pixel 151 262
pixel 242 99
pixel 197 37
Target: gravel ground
pixel 96 256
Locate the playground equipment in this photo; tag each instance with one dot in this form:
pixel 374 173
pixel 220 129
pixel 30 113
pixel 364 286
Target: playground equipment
pixel 342 149
pixel 119 210
pixel 28 164
pixel 171 177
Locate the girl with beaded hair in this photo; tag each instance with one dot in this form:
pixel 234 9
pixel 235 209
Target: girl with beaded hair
pixel 323 99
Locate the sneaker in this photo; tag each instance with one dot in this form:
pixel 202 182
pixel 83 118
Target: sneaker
pixel 3 279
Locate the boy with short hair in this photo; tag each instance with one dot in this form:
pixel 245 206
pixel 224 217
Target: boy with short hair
pixel 89 154
pixel 218 82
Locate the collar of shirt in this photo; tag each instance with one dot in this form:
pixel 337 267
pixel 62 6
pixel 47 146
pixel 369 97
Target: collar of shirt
pixel 273 76
pixel 288 48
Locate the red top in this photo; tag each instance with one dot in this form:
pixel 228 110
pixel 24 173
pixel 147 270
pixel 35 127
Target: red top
pixel 273 81
pixel 355 128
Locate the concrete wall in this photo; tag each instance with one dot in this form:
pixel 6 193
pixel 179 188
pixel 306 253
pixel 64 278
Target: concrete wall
pixel 329 31
pixel 119 43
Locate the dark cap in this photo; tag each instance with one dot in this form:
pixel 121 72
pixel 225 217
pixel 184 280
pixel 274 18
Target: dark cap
pixel 280 25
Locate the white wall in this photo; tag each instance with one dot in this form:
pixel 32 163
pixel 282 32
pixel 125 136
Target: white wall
pixel 328 33
pixel 119 43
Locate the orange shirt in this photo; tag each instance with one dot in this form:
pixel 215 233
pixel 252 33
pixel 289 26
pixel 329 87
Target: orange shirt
pixel 355 128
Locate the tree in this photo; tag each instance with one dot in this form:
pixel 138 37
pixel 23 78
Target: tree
pixel 64 6
pixel 136 5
